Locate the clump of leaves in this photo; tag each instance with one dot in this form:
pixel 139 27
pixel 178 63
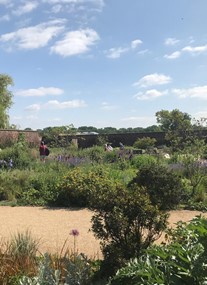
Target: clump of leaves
pixel 77 185
pixel 126 222
pixel 182 260
pixel 163 186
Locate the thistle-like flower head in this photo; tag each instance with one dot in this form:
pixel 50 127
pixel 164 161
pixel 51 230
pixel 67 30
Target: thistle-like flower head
pixel 74 232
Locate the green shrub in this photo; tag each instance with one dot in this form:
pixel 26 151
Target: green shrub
pixel 110 157
pixel 95 154
pixel 163 186
pixel 12 183
pixel 181 262
pixel 144 143
pixel 41 188
pixel 76 186
pixel 142 160
pixel 126 223
pixel 21 156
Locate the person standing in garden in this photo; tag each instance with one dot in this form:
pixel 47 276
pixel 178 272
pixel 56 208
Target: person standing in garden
pixel 42 150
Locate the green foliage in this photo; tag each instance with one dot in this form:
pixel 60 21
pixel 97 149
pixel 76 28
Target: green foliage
pixel 18 257
pixel 12 183
pixel 142 160
pixel 163 186
pixel 181 262
pixel 110 157
pixel 20 154
pixel 5 99
pixel 46 275
pixel 126 223
pixel 144 143
pixel 77 185
pixel 95 154
pixel 75 272
pixel 23 246
pixel 41 187
pixel 177 126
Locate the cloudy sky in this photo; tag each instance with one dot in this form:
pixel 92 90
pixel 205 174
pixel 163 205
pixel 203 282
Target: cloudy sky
pixel 103 63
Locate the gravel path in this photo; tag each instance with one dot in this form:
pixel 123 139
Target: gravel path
pixel 53 226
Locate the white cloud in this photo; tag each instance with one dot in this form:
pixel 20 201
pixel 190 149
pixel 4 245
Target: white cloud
pixel 136 43
pixel 26 8
pixel 4 2
pixel 107 107
pixel 150 94
pixel 195 50
pixel 116 52
pixel 31 117
pixel 153 79
pixel 195 92
pixel 56 8
pixel 4 18
pixel 139 121
pixel 33 107
pixel 54 104
pixel 75 42
pixel 144 51
pixel 99 4
pixel 173 55
pixel 171 41
pixel 39 92
pixel 34 37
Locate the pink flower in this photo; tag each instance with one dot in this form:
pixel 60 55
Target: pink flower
pixel 74 233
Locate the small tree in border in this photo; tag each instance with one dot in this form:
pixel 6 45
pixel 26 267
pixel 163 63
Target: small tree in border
pixel 126 222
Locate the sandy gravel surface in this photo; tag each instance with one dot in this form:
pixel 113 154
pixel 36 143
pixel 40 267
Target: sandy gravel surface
pixel 52 226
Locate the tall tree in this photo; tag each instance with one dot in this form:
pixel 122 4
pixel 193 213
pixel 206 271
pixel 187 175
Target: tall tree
pixel 176 124
pixel 5 99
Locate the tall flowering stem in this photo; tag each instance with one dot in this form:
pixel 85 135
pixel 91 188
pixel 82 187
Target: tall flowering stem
pixel 74 233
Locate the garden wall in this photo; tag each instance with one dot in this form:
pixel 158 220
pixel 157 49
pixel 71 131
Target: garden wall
pixel 128 139
pixel 8 137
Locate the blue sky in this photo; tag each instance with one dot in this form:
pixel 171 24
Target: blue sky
pixel 103 63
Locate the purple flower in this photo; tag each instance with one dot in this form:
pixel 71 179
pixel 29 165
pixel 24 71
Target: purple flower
pixel 74 233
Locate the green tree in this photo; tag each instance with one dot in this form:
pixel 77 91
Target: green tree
pixel 126 222
pixel 5 99
pixel 163 186
pixel 176 124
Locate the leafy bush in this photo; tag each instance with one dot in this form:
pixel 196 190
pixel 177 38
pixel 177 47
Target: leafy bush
pixel 183 261
pixel 163 186
pixel 76 187
pixel 41 189
pixel 126 223
pixel 144 143
pixel 95 154
pixel 21 156
pixel 12 183
pixel 142 160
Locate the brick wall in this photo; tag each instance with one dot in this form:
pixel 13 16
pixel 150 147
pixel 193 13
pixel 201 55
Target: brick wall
pixel 127 139
pixel 8 137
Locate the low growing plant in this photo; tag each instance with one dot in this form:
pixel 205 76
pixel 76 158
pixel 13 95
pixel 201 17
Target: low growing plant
pixel 182 261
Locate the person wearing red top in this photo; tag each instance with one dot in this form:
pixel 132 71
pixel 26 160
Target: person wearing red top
pixel 42 149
